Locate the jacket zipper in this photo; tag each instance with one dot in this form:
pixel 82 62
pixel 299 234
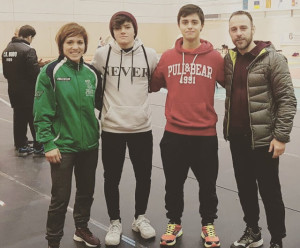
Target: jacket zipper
pixel 79 99
pixel 248 69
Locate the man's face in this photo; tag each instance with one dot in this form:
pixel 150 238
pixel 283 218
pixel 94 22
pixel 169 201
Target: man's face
pixel 241 32
pixel 190 27
pixel 124 35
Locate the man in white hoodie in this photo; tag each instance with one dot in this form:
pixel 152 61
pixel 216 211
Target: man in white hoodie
pixel 126 66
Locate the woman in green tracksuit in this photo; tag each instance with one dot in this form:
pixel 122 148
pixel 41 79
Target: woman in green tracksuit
pixel 66 124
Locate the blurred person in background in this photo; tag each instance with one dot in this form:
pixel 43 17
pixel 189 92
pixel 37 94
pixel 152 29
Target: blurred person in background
pixel 21 68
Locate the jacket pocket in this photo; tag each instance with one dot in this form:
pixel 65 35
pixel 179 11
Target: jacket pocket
pixel 192 115
pixel 127 117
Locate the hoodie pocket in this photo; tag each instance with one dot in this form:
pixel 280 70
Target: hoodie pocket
pixel 127 117
pixel 192 115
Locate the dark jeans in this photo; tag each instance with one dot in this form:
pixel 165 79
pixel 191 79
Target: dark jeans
pixel 22 118
pixel 140 146
pixel 257 170
pixel 200 153
pixel 84 164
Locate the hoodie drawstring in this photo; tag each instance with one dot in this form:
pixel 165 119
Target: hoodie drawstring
pixel 104 80
pixel 148 68
pixel 182 65
pixel 132 66
pixel 182 70
pixel 119 76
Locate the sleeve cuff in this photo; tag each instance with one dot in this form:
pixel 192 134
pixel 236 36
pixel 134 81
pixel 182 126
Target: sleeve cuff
pixel 49 146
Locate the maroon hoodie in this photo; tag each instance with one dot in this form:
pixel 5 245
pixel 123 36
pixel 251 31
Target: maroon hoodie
pixel 190 78
pixel 239 110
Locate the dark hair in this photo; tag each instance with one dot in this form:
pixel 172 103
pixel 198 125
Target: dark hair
pixel 119 20
pixel 188 10
pixel 26 31
pixel 70 30
pixel 242 12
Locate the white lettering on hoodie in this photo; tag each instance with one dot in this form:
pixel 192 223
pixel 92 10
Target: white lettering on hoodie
pixel 189 71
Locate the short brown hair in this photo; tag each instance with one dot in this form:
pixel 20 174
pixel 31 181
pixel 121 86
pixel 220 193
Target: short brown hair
pixel 242 12
pixel 26 31
pixel 70 30
pixel 190 9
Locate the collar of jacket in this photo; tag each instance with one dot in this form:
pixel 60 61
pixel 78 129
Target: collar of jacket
pixel 233 55
pixel 19 40
pixel 75 66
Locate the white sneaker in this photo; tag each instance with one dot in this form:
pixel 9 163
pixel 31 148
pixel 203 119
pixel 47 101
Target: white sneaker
pixel 142 225
pixel 113 237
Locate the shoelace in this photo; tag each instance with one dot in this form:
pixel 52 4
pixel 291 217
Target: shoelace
pixel 246 234
pixel 87 232
pixel 170 228
pixel 114 228
pixel 210 229
pixel 143 222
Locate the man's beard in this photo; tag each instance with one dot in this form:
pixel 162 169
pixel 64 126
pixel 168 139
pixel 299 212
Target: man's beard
pixel 242 46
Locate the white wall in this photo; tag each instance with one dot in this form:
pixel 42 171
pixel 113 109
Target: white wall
pixel 156 18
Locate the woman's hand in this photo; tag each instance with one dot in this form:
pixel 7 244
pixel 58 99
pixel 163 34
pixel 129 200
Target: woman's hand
pixel 53 156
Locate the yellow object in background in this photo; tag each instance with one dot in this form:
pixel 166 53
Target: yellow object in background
pixel 268 4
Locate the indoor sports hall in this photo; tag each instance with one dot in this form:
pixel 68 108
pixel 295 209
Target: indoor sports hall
pixel 25 182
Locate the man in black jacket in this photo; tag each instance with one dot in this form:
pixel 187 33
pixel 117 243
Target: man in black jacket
pixel 21 68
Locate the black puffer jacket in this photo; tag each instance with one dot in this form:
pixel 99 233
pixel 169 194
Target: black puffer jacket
pixel 271 98
pixel 20 68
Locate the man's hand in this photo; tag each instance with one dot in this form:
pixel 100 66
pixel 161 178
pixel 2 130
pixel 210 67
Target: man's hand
pixel 53 156
pixel 42 63
pixel 277 147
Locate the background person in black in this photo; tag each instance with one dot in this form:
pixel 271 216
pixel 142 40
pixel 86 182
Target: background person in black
pixel 21 68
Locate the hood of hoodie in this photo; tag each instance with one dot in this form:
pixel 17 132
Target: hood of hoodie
pixel 205 47
pixel 117 49
pixel 263 44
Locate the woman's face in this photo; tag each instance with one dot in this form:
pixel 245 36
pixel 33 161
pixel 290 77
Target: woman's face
pixel 74 47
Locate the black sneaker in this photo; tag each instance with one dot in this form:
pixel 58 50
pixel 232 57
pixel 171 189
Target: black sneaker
pixel 24 151
pixel 274 245
pixel 53 246
pixel 86 236
pixel 38 152
pixel 249 239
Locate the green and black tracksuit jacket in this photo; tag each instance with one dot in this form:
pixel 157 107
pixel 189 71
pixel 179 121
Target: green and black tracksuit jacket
pixel 65 97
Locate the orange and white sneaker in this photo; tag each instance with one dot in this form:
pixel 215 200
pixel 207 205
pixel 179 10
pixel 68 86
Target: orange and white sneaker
pixel 172 233
pixel 209 236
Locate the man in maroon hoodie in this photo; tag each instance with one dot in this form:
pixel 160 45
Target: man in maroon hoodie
pixel 189 71
pixel 259 110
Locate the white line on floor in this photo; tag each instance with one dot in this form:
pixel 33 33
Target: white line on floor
pixel 5 102
pixel 94 222
pixel 5 120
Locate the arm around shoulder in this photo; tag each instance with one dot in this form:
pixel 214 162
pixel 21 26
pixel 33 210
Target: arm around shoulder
pixel 158 77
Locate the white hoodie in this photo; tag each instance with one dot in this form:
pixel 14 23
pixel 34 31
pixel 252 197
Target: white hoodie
pixel 125 103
